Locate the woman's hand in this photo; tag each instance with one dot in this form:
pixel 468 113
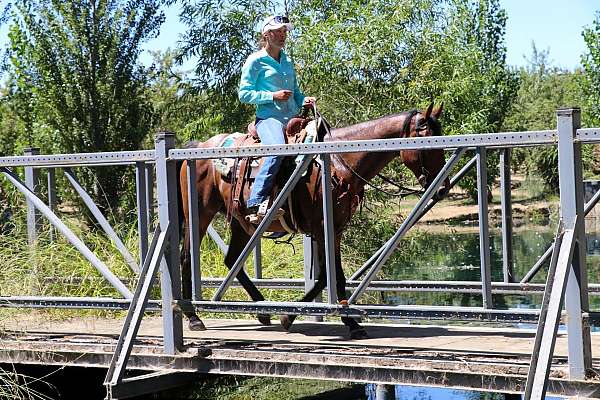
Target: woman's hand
pixel 282 95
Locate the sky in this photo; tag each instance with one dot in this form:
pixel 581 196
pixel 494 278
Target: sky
pixel 553 25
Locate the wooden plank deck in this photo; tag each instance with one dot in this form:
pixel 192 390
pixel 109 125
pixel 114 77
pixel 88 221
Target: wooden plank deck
pixel 479 358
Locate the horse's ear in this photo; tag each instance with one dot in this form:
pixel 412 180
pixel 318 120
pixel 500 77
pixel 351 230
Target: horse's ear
pixel 437 113
pixel 428 112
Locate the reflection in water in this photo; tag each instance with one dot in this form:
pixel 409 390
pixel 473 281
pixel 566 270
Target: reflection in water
pixel 455 257
pixel 430 393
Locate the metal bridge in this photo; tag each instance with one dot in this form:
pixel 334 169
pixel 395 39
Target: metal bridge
pixel 155 353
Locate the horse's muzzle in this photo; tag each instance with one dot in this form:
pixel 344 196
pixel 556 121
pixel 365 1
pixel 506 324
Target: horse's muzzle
pixel 442 190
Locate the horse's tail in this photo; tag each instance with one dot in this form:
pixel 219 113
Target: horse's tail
pixel 179 164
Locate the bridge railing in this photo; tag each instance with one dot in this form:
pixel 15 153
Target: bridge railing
pixel 569 248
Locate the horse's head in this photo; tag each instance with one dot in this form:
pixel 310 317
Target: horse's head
pixel 425 164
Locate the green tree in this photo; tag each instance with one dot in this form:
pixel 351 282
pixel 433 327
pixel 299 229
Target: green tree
pixel 542 91
pixel 366 59
pixel 591 66
pixel 75 65
pixel 179 107
pixel 221 34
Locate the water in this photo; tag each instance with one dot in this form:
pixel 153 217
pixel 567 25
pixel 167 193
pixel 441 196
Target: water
pixel 454 256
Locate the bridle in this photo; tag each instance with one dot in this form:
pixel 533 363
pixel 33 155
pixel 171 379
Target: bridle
pixel 402 190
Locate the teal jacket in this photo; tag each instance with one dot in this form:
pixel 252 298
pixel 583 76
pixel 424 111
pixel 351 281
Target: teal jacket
pixel 261 76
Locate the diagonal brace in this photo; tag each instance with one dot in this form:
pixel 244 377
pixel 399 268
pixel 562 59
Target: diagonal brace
pixel 545 338
pixel 455 179
pixel 262 227
pixel 407 224
pixel 69 235
pixel 136 309
pixel 89 202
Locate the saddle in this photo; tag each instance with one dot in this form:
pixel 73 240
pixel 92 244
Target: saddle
pixel 240 172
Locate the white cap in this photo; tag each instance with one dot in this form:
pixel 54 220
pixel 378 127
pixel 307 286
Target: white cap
pixel 275 22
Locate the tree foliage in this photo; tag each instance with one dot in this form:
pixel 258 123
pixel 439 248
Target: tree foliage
pixel 544 89
pixel 75 81
pixel 363 60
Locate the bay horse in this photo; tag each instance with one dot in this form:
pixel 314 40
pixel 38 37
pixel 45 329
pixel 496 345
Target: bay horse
pixel 350 173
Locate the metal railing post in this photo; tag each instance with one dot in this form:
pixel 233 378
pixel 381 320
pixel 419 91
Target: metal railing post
pixel 170 277
pixel 193 230
pixel 311 269
pixel 52 199
pixel 142 210
pixel 571 207
pixel 328 229
pixel 32 181
pixel 507 223
pixel 484 228
pixel 258 261
pixel 150 194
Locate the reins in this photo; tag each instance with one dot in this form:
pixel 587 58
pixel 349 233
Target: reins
pixel 402 190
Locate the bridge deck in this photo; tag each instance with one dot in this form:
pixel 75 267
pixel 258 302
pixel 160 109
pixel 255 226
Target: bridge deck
pixel 458 356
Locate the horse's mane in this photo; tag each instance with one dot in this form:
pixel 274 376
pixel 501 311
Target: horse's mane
pixel 363 129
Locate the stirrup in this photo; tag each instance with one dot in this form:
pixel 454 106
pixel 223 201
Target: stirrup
pixel 263 209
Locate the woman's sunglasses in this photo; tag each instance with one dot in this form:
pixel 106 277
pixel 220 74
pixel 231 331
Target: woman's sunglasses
pixel 278 19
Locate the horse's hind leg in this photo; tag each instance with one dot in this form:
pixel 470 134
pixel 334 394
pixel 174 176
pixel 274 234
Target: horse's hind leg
pixel 356 331
pixel 239 239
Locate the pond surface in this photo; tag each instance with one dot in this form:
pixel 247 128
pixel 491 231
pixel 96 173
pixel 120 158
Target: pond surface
pixel 455 256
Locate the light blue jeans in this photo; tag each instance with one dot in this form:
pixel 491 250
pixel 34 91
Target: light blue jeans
pixel 270 131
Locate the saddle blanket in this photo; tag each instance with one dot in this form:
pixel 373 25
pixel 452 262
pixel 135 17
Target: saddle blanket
pixel 225 165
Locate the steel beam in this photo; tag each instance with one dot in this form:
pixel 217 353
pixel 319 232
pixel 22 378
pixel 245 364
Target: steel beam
pixel 142 208
pixel 571 211
pixel 150 383
pixel 106 227
pixel 408 222
pixel 79 159
pixel 194 230
pixel 484 228
pixel 150 193
pixel 472 141
pixel 214 235
pixel 68 234
pixel 32 181
pixel 329 234
pixel 262 227
pixel 168 216
pixel 507 222
pixel 545 338
pixel 135 313
pixel 312 269
pixel 52 199
pixel 588 135
pixel 258 261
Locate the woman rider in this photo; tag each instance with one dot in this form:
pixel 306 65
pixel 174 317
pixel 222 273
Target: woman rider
pixel 269 81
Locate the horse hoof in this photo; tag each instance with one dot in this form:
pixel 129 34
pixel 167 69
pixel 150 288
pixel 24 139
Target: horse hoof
pixel 264 319
pixel 358 334
pixel 196 324
pixel 286 322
